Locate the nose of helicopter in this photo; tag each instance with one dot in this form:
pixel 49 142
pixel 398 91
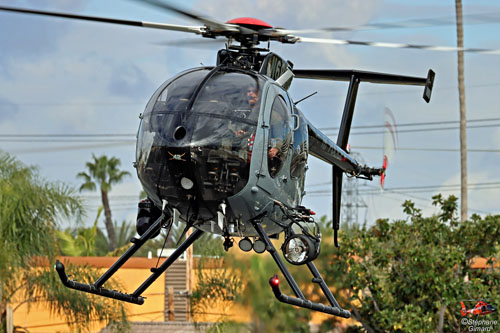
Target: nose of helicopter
pixel 195 159
pixel 195 141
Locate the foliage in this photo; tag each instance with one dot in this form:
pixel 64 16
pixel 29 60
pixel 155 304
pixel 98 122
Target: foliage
pixel 207 245
pixel 411 275
pixel 268 314
pixel 29 210
pixel 407 275
pixel 81 244
pixel 92 242
pixel 125 231
pixel 103 172
pixel 217 287
pixel 79 309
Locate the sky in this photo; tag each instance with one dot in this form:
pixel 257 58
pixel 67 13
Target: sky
pixel 61 76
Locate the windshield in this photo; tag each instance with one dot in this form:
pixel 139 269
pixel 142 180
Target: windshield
pixel 224 118
pixel 227 107
pixel 210 142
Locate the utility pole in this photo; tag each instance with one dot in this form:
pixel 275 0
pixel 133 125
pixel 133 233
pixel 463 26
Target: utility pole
pixel 463 123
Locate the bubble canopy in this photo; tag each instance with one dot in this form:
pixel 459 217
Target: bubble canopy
pixel 199 125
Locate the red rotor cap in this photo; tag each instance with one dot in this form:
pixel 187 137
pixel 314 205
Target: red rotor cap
pixel 250 21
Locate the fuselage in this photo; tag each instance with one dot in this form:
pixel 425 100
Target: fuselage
pixel 222 139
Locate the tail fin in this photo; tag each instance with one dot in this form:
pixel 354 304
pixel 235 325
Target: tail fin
pixel 464 309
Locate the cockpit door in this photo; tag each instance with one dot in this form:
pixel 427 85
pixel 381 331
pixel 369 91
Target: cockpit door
pixel 274 175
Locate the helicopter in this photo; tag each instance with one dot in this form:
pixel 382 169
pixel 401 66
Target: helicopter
pixel 224 150
pixel 481 308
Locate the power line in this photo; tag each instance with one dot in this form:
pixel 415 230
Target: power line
pixel 412 124
pixel 69 104
pixel 430 149
pixel 400 91
pixel 65 140
pixel 354 133
pixel 66 148
pixel 69 135
pixel 426 129
pixel 407 192
pixel 410 195
pixel 53 135
pixel 414 187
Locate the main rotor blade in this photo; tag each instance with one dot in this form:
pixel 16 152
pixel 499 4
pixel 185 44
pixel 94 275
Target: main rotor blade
pixel 481 18
pixel 396 45
pixel 213 25
pixel 163 26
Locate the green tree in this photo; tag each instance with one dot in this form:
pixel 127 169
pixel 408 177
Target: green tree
pixel 103 172
pixel 29 210
pixel 79 242
pixel 269 314
pixel 92 242
pixel 410 275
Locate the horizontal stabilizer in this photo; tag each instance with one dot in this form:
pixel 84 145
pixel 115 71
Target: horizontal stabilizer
pixel 372 77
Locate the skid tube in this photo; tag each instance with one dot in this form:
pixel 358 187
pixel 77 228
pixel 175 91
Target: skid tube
pixel 135 298
pixel 300 300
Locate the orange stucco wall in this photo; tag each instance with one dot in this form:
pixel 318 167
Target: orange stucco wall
pixel 39 319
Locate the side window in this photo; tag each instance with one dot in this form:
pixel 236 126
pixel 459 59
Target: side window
pixel 280 136
pixel 299 157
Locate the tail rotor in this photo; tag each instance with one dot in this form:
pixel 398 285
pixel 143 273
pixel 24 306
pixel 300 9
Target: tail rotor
pixel 390 143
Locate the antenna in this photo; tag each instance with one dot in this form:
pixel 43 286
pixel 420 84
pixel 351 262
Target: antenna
pixel 300 100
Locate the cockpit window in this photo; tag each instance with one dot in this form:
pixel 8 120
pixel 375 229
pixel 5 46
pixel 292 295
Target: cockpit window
pixel 176 95
pixel 217 133
pixel 224 123
pixel 232 94
pixel 280 138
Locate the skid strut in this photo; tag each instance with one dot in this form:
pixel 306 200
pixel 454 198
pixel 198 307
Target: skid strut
pixel 135 297
pixel 300 300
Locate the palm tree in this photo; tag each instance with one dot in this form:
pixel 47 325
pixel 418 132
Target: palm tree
pixel 29 210
pixel 103 172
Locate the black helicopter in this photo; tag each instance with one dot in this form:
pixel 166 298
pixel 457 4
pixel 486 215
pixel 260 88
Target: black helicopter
pixel 224 150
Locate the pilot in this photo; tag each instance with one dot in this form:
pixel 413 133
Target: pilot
pixel 245 112
pixel 239 131
pixel 279 142
pixel 252 96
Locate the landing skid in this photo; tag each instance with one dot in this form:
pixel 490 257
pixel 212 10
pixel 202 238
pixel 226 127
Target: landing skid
pixel 136 298
pixel 299 300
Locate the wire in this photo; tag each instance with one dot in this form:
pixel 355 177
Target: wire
pixel 399 194
pixel 64 135
pixel 413 124
pixel 401 91
pixel 69 104
pixel 65 140
pixel 66 148
pixel 418 187
pixel 425 129
pixel 97 135
pixel 430 149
